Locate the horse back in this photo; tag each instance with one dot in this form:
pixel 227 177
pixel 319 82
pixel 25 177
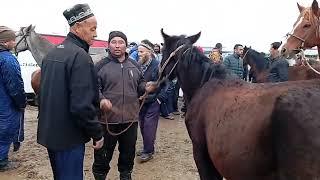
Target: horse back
pixel 237 120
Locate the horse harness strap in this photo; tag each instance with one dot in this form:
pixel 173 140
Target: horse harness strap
pixel 24 36
pixel 304 40
pixel 307 61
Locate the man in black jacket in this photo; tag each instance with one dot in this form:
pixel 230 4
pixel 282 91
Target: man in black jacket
pixel 69 97
pixel 278 67
pixel 120 84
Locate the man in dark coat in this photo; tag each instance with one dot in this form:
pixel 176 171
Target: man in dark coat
pixel 233 62
pixel 69 97
pixel 278 67
pixel 120 82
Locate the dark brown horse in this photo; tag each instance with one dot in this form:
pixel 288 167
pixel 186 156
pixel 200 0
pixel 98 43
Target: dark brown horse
pixel 260 70
pixel 305 33
pixel 245 131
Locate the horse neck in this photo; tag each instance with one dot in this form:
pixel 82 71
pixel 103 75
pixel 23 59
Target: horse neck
pixel 193 74
pixel 38 46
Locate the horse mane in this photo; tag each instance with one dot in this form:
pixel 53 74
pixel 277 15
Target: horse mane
pixel 192 57
pixel 258 59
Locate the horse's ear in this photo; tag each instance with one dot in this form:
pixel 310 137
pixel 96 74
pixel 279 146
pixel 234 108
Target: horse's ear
pixel 29 27
pixel 33 27
pixel 164 35
pixel 315 8
pixel 194 38
pixel 301 8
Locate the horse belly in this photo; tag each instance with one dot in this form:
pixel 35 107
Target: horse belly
pixel 239 138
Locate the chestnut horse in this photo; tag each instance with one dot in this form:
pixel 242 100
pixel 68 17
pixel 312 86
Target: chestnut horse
pixel 260 70
pixel 241 130
pixel 305 33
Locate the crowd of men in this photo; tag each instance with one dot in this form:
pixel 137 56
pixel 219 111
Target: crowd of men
pixel 80 101
pixel 277 66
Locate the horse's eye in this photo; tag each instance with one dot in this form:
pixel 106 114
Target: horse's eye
pixel 307 26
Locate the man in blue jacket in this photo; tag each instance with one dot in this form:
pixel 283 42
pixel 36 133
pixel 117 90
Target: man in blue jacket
pixel 150 112
pixel 234 63
pixel 12 95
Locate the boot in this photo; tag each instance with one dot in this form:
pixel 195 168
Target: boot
pixel 99 176
pixel 125 176
pixel 3 164
pixel 16 146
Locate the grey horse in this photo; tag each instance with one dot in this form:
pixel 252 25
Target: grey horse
pixel 28 39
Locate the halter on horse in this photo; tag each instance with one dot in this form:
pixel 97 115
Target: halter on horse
pixel 305 33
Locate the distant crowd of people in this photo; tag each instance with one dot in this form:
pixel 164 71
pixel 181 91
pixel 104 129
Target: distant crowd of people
pixel 277 66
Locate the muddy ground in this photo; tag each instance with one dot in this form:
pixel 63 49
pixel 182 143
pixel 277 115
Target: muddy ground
pixel 173 159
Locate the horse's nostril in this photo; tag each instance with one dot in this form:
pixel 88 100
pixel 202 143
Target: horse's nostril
pixel 283 50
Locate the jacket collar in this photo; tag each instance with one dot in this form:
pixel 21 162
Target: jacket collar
pixel 3 49
pixel 79 42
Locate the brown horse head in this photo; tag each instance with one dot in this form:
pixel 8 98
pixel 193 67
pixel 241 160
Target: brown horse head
pixel 257 62
pixel 191 67
pixel 305 32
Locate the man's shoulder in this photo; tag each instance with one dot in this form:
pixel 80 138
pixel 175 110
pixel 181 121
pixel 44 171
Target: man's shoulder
pixel 282 61
pixel 134 63
pixel 102 63
pixel 7 58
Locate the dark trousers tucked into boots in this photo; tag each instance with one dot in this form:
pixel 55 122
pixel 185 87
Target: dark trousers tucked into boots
pixel 127 145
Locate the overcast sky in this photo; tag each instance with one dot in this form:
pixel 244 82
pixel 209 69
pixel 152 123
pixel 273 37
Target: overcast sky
pixel 250 22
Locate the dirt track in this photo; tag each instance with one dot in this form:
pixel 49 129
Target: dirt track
pixel 173 159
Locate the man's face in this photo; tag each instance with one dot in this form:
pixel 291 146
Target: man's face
pixel 9 45
pixel 239 50
pixel 156 49
pixel 144 54
pixel 272 51
pixel 117 47
pixel 87 29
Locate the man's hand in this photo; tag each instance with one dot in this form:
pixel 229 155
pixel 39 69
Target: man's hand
pixel 97 145
pixel 151 86
pixel 105 105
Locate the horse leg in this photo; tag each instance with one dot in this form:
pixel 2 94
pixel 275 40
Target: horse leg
pixel 206 169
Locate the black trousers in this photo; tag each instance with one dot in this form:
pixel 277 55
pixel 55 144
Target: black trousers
pixel 126 147
pixel 176 96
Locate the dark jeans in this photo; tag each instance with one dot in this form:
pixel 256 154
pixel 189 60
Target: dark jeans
pixel 4 151
pixel 148 118
pixel 67 164
pixel 127 149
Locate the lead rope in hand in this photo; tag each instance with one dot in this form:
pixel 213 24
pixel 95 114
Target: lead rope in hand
pixel 143 97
